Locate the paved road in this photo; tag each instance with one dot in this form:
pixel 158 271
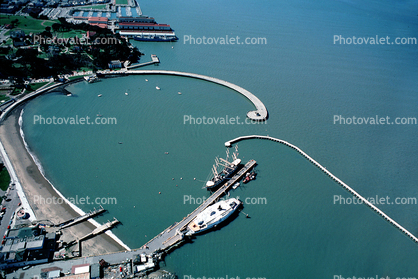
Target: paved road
pixel 11 207
pixel 3 37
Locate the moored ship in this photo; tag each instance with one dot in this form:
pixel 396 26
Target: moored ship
pixel 213 215
pixel 156 37
pixel 230 168
pixel 147 31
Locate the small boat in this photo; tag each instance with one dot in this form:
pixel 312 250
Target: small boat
pixel 126 93
pixel 92 78
pixel 146 80
pixel 69 95
pixel 99 115
pixel 120 142
pixel 100 95
pixel 249 176
pixel 179 93
pixel 158 88
pixel 235 186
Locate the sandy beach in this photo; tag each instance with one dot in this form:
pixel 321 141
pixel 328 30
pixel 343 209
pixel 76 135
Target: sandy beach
pixel 34 184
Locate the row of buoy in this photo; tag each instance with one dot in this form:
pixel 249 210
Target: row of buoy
pixel 336 179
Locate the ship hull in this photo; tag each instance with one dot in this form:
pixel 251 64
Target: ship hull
pixel 214 215
pixel 228 174
pixel 156 39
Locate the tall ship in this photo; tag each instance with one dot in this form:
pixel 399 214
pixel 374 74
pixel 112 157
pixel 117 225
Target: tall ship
pixel 213 215
pixel 229 169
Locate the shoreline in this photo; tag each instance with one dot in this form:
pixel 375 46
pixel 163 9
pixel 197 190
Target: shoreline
pixel 73 206
pixel 34 183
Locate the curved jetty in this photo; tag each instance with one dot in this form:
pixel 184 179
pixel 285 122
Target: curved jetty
pixel 336 179
pixel 260 114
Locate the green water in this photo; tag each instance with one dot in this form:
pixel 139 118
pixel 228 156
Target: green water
pixel 304 80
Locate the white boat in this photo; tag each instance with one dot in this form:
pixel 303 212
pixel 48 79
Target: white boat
pixel 100 95
pixel 179 93
pixel 92 78
pixel 213 215
pixel 126 93
pixel 235 186
pixel 157 88
pixel 146 80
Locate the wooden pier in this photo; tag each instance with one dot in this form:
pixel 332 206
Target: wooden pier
pixel 82 218
pixel 336 179
pixel 100 229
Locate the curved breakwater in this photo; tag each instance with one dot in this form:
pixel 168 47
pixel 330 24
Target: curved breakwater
pixel 260 114
pixel 336 179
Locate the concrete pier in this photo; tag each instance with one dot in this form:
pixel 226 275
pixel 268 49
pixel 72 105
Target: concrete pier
pixel 154 60
pixel 336 179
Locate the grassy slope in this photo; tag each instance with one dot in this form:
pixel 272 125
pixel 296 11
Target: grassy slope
pixel 27 24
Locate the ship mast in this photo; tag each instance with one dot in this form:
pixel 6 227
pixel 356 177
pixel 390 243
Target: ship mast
pixel 224 163
pixel 215 168
pixel 235 154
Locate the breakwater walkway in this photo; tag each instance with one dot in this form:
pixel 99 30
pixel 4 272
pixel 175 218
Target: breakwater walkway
pixel 260 114
pixel 336 179
pixel 28 97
